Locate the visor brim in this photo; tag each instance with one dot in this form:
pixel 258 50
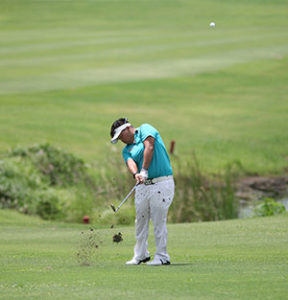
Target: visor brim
pixel 118 131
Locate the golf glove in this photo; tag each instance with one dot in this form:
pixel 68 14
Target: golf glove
pixel 144 174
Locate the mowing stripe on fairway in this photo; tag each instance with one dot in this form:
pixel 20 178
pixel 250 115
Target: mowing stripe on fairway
pixel 138 71
pixel 136 50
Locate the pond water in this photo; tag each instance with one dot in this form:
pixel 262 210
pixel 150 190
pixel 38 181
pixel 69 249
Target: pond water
pixel 246 210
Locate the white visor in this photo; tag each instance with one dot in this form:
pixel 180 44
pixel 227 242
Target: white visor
pixel 117 132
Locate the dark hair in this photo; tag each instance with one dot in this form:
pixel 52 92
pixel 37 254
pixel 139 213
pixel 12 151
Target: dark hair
pixel 117 124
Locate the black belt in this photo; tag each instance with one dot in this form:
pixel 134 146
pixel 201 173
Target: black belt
pixel 150 181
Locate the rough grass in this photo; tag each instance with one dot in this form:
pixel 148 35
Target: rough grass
pixel 239 259
pixel 68 69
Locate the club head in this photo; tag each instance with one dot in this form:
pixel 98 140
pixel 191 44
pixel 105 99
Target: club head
pixel 113 207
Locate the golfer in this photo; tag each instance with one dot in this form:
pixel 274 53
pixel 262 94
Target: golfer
pixel 147 160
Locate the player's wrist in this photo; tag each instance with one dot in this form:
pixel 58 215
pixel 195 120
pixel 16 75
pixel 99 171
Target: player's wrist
pixel 144 173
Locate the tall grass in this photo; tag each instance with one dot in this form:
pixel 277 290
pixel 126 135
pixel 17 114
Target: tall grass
pixel 198 196
pixel 54 184
pixel 203 197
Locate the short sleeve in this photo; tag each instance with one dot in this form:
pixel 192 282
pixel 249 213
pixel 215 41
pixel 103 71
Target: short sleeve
pixel 147 130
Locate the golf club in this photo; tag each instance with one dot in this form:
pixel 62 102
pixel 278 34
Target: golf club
pixel 132 190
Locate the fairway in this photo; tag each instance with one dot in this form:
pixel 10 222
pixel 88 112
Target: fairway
pixel 70 68
pixel 240 259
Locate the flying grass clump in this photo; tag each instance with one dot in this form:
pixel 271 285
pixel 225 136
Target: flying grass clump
pixel 89 244
pixel 117 238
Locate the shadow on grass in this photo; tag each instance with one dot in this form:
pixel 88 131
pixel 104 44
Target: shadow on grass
pixel 174 265
pixel 180 265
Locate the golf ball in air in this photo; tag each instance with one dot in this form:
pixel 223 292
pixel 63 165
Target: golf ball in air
pixel 212 24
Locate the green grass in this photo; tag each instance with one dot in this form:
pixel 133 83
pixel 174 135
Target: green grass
pixel 69 69
pixel 240 259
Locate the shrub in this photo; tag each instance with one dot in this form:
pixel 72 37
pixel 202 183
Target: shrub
pixel 46 181
pixel 269 207
pixel 18 181
pixel 60 167
pixel 48 205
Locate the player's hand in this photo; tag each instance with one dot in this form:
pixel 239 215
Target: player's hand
pixel 139 178
pixel 144 174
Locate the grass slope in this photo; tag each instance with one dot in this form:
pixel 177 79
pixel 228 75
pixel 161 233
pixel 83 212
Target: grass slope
pixel 240 259
pixel 68 69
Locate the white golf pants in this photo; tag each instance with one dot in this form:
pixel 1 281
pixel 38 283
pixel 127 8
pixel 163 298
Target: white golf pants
pixel 152 201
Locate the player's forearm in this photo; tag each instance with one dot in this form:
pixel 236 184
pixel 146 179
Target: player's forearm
pixel 147 157
pixel 132 167
pixel 148 152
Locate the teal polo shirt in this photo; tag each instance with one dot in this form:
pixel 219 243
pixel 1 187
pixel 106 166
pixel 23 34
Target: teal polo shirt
pixel 160 164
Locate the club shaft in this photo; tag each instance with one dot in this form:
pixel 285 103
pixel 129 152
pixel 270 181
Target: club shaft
pixel 132 190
